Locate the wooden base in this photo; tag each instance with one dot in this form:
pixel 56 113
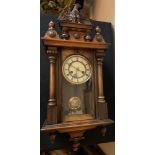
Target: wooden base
pixel 75 129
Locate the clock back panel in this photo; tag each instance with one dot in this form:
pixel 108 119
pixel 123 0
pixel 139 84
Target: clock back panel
pixel 77 99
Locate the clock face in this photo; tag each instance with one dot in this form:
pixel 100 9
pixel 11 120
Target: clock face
pixel 76 69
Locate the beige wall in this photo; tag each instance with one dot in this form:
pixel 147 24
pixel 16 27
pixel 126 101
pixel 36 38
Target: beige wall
pixel 104 10
pixel 108 148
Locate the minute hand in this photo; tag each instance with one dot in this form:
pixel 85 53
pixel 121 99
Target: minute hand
pixel 73 67
pixel 79 70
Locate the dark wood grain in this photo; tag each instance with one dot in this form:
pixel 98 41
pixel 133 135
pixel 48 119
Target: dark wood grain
pixel 73 43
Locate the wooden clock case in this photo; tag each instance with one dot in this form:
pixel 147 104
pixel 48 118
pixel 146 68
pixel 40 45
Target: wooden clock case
pixel 75 39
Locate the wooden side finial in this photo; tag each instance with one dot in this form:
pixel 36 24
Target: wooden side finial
pixel 51 32
pixel 98 35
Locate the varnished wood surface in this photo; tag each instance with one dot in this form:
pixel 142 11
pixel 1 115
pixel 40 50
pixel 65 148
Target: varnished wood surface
pixel 100 80
pixel 52 80
pixel 77 117
pixel 73 43
pixel 75 125
pixel 77 26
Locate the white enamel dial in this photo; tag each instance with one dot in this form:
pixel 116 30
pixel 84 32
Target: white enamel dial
pixel 76 69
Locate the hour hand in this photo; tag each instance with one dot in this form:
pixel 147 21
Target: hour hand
pixel 80 70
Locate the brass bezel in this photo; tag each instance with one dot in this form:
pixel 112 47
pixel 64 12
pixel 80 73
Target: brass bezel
pixel 65 76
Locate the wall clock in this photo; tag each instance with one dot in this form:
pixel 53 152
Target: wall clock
pixel 76 99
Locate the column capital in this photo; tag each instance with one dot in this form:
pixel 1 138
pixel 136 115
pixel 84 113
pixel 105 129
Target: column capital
pixel 100 56
pixel 100 53
pixel 52 54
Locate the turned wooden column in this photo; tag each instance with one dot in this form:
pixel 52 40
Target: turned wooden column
pixel 102 111
pixel 52 106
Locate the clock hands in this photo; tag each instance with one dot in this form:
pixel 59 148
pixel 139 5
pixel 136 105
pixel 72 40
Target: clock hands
pixel 72 66
pixel 80 70
pixel 77 69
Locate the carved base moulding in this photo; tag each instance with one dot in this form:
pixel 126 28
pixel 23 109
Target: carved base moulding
pixel 75 129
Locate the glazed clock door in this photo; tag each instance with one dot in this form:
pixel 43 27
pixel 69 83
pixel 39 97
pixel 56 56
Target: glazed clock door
pixel 77 82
